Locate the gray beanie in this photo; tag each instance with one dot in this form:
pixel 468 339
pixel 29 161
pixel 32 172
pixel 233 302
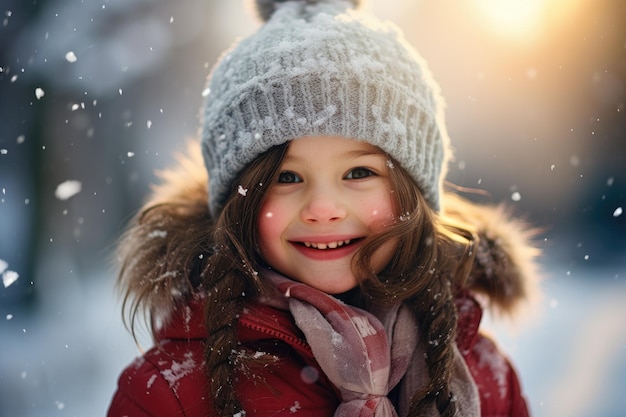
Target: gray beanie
pixel 321 68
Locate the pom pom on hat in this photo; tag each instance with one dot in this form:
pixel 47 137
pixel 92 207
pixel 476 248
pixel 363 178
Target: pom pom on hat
pixel 265 8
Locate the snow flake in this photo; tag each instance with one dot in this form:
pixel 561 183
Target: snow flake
pixel 67 189
pixel 158 233
pixel 179 370
pixel 9 277
pixel 39 93
pixel 516 196
pixel 618 212
pixel 71 57
pixel 242 191
pixel 295 407
pixel 151 381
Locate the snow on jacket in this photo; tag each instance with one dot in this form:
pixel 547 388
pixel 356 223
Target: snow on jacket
pixel 170 379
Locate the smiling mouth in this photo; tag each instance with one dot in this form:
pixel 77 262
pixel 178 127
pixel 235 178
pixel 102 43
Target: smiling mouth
pixel 328 245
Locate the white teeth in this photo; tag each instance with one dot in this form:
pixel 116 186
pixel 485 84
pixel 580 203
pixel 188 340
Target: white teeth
pixel 329 245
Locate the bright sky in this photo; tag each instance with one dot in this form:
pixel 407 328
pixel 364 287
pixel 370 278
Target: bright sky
pixel 523 19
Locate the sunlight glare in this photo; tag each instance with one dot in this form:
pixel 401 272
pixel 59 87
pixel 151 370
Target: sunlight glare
pixel 514 18
pixel 524 19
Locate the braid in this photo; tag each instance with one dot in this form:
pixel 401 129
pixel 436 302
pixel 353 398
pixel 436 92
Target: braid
pixel 231 278
pixel 224 304
pixel 437 316
pixel 430 263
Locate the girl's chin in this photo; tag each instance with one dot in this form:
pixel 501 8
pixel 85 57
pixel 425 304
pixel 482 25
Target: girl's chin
pixel 333 287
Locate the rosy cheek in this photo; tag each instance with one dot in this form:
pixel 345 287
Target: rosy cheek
pixel 380 215
pixel 269 221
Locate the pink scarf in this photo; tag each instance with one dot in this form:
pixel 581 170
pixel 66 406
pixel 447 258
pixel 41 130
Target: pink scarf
pixel 363 355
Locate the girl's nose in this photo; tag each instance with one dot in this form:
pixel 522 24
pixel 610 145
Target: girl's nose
pixel 323 207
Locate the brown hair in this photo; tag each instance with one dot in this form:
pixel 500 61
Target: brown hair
pixel 175 250
pixel 166 246
pixel 232 275
pixel 429 264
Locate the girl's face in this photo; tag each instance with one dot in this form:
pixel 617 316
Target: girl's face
pixel 330 195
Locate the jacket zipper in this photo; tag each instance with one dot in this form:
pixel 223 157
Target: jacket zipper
pixel 281 335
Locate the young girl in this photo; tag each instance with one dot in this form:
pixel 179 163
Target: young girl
pixel 328 275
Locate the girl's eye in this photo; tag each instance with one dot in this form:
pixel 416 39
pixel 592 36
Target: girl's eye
pixel 359 173
pixel 287 177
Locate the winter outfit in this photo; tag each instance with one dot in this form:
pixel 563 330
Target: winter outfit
pixel 170 379
pixel 321 68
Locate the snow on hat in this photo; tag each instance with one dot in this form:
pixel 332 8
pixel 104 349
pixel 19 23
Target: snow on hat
pixel 322 68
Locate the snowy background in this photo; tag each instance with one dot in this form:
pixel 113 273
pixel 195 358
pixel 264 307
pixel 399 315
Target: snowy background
pixel 95 95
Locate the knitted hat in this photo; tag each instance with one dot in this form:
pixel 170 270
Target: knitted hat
pixel 322 68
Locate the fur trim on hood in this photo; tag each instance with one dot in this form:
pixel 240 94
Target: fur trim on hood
pixel 504 272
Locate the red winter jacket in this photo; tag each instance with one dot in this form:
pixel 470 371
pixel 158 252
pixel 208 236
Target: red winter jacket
pixel 169 380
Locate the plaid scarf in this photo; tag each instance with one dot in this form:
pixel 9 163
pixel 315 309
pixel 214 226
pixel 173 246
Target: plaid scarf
pixel 366 355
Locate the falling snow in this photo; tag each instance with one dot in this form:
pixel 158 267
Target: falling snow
pixel 9 277
pixel 242 191
pixel 100 310
pixel 67 189
pixel 71 57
